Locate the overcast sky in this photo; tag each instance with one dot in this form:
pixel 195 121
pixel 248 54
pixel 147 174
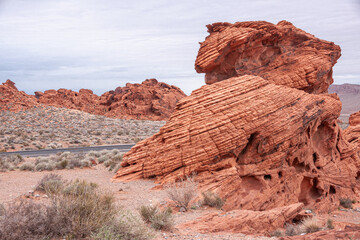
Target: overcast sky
pixel 100 45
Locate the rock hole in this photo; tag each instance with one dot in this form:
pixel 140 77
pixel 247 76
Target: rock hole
pixel 358 175
pixel 267 177
pixel 315 157
pixel 280 174
pixel 332 190
pixel 299 167
pixel 308 191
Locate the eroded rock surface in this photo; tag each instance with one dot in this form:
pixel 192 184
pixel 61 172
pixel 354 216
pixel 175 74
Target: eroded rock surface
pixel 245 221
pixel 281 53
pixel 258 145
pixel 11 99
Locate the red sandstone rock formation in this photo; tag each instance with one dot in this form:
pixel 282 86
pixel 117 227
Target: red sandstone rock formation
pixel 264 141
pixel 84 100
pixel 245 221
pixel 151 100
pixel 281 53
pixel 14 100
pixel 352 133
pixel 354 119
pixel 257 144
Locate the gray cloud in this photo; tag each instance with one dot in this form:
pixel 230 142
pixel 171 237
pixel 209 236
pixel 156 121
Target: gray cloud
pixel 104 44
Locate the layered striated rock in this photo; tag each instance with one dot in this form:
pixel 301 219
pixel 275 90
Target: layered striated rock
pixel 151 100
pixel 258 145
pixel 259 222
pixel 352 133
pixel 11 99
pixel 281 54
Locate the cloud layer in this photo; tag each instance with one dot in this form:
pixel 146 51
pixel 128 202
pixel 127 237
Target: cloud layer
pixel 101 45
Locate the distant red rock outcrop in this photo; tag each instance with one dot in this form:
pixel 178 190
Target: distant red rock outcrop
pixel 281 53
pixel 349 95
pixel 150 100
pixel 84 100
pixel 11 99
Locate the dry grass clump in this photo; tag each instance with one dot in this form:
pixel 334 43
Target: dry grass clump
pixel 307 225
pixel 310 225
pixel 76 210
pixel 158 219
pixel 212 199
pixel 50 127
pixel 182 192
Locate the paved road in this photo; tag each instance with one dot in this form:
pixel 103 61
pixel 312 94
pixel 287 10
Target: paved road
pixel 45 152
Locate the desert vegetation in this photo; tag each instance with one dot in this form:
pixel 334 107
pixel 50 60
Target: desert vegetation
pixel 75 210
pixel 51 127
pixel 64 160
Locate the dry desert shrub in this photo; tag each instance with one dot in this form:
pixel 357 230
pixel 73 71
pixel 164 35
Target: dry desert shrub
pixel 212 199
pixel 292 229
pixel 182 192
pixel 346 202
pixel 124 227
pixel 27 166
pixel 329 224
pixel 29 220
pixel 77 210
pixel 276 233
pixel 51 184
pixel 158 219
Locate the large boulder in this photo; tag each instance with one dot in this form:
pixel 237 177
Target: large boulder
pixel 257 144
pixel 281 53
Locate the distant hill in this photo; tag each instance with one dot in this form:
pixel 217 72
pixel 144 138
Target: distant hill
pixel 349 95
